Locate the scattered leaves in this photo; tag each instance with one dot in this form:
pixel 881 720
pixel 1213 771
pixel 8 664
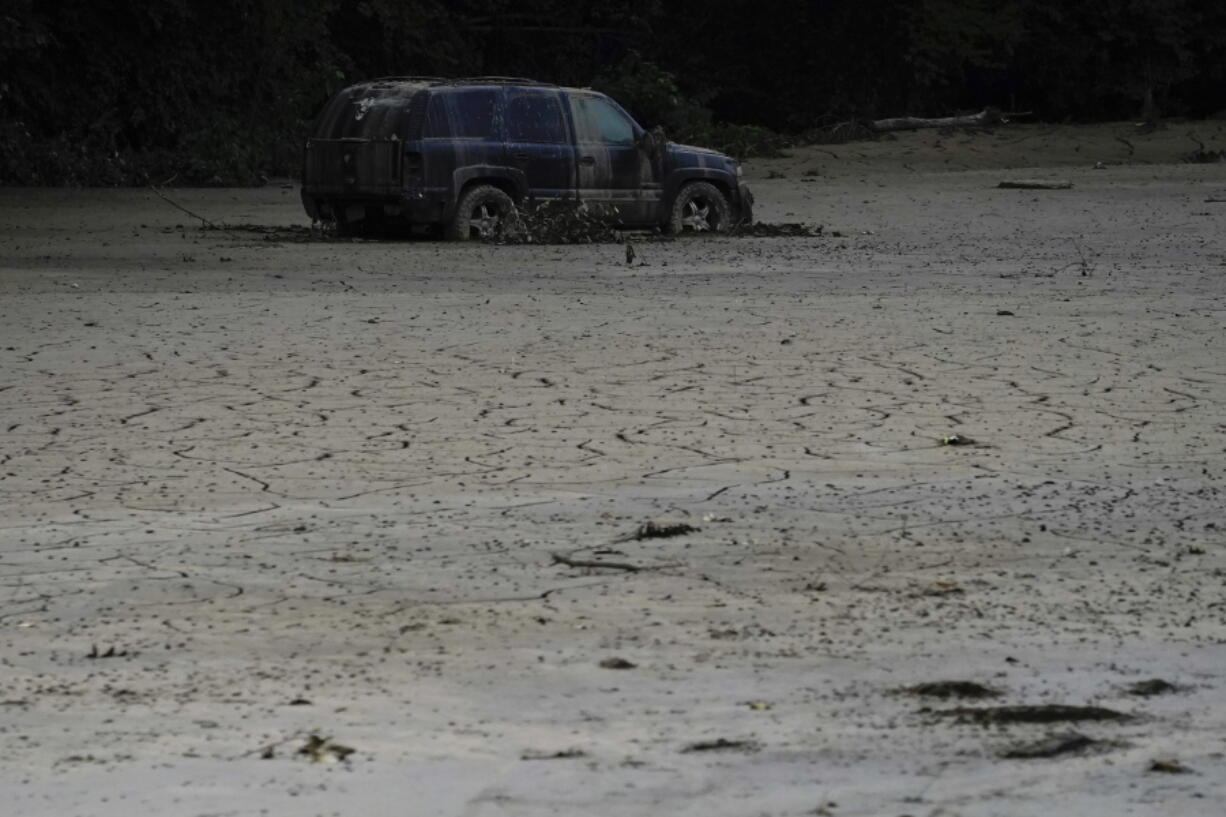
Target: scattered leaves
pixel 324 750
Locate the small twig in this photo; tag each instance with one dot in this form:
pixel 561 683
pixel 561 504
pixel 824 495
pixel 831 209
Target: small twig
pixel 178 206
pixel 559 559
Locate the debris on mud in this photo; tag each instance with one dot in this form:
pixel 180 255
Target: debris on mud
pixel 281 233
pixel 1205 157
pixel 1034 184
pixel 617 663
pixel 110 652
pixel 762 229
pixel 561 754
pixel 1005 313
pixel 558 222
pixel 1050 746
pixel 722 745
pixel 1154 686
pixel 324 750
pixel 593 564
pixel 1168 766
pixel 662 530
pixel 957 439
pixel 1032 713
pixel 951 689
pixel 942 588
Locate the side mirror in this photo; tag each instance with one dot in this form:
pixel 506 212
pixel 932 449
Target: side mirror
pixel 653 141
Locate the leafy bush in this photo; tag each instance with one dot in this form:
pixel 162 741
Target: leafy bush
pixel 651 94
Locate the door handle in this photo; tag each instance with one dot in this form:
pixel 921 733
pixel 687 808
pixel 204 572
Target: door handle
pixel 587 160
pixel 519 155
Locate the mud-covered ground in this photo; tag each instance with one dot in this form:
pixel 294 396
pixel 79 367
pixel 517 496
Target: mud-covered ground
pixel 257 488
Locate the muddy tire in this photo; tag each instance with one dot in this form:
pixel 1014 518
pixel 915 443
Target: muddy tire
pixel 699 208
pixel 483 212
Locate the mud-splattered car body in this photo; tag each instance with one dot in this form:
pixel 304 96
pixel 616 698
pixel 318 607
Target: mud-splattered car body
pixel 415 150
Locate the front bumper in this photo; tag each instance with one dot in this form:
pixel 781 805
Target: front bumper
pixel 742 206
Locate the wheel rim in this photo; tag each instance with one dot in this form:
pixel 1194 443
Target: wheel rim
pixel 484 220
pixel 697 215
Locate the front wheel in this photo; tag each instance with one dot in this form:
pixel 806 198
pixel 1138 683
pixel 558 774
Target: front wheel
pixel 483 212
pixel 699 208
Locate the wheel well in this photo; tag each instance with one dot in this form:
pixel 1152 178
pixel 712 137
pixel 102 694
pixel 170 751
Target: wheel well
pixel 718 184
pixel 502 184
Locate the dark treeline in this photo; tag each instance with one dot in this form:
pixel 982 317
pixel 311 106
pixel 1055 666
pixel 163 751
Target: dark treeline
pixel 109 91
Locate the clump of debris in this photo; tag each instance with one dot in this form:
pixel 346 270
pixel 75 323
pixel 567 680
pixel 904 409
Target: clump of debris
pixel 1041 713
pixel 951 689
pixel 558 221
pixel 786 229
pixel 663 530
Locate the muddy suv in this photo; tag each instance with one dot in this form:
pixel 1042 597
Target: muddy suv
pixel 461 156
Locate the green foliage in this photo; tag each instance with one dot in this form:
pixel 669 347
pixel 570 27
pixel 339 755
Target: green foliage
pixel 652 96
pixel 211 91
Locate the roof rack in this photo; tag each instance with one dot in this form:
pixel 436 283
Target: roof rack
pixel 495 81
pixel 403 79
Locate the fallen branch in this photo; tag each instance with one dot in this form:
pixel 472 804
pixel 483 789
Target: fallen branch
pixel 985 118
pixel 559 559
pixel 178 206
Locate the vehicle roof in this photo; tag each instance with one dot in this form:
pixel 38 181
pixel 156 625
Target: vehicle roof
pixel 410 84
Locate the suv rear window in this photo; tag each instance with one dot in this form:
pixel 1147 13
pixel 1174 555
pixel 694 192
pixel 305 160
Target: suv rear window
pixel 374 113
pixel 462 114
pixel 535 117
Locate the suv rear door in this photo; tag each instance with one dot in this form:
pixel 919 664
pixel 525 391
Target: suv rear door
pixel 538 141
pixel 356 149
pixel 613 170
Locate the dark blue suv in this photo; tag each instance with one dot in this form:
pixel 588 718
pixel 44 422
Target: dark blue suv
pixel 463 155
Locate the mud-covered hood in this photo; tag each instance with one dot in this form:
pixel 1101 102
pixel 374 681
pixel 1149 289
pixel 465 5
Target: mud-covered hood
pixel 674 147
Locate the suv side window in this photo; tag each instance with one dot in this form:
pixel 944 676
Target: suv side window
pixel 466 114
pixel 598 120
pixel 535 117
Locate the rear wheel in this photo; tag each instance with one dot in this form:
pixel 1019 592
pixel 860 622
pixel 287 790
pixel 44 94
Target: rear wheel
pixel 484 212
pixel 700 208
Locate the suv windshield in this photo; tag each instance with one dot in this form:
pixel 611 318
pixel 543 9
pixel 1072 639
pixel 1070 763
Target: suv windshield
pixel 598 120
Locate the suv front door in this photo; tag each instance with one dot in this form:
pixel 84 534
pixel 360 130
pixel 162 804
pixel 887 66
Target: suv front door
pixel 538 142
pixel 613 170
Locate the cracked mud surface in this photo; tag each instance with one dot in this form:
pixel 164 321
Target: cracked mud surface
pixel 318 489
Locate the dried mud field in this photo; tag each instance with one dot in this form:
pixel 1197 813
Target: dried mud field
pixel 304 527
